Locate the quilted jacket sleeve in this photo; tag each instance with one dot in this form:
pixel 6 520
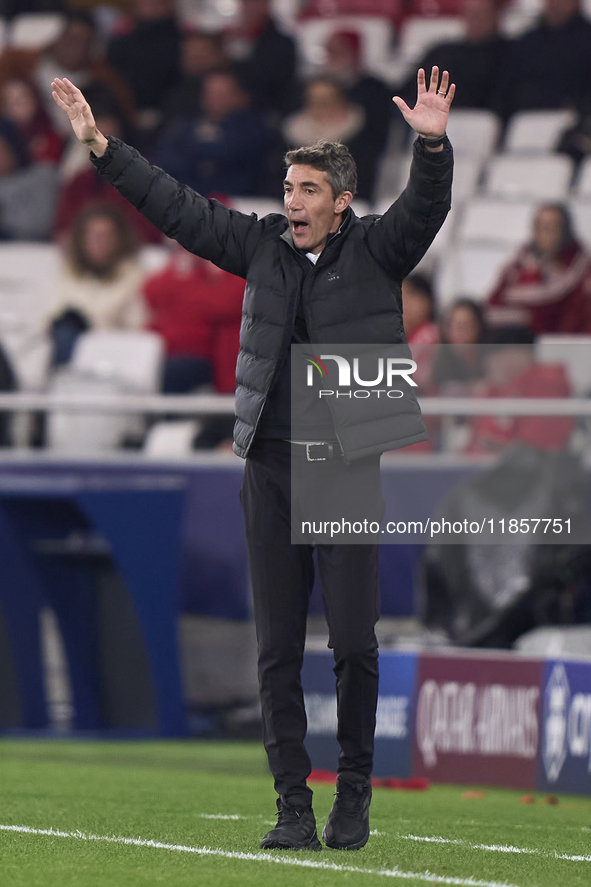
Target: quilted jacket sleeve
pixel 205 227
pixel 400 238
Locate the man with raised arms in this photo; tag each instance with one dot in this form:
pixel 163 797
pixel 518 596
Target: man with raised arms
pixel 318 274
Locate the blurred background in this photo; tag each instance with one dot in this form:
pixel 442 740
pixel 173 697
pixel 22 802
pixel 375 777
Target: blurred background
pixel 124 597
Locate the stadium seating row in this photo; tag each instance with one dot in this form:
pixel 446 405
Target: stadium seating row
pixel 385 52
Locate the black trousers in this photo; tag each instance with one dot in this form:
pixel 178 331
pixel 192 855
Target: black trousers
pixel 282 577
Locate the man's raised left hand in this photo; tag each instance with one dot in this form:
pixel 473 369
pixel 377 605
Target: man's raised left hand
pixel 429 116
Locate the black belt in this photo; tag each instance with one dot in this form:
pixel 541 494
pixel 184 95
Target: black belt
pixel 317 451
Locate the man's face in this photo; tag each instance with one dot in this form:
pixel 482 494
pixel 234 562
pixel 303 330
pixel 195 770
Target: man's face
pixel 254 13
pixel 481 18
pixel 200 54
pixel 100 240
pixel 18 102
pixel 324 99
pixel 558 12
pixel 548 231
pixel 462 326
pixel 311 208
pixel 73 49
pixel 153 10
pixel 341 55
pixel 221 95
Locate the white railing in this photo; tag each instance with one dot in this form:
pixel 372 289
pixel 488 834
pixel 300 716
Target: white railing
pixel 194 405
pixel 223 404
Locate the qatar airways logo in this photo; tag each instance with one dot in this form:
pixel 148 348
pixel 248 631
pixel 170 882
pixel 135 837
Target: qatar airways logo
pixel 475 719
pixel 388 370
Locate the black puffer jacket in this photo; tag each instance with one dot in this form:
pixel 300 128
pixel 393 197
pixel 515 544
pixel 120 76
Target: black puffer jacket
pixel 352 294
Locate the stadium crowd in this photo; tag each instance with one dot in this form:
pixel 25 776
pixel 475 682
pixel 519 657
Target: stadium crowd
pixel 218 105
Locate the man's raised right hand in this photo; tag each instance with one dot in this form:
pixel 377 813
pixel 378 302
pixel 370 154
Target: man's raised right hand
pixel 70 99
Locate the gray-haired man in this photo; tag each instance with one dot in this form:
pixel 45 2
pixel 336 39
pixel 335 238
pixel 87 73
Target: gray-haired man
pixel 317 275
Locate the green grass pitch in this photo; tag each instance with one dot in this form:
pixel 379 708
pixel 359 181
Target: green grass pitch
pixel 196 811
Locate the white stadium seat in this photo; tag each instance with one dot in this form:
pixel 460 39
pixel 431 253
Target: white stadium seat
pixel 376 39
pixel 513 177
pixel 473 133
pixel 85 432
pixel 442 244
pixel 467 172
pixel 514 22
pixel 583 183
pixel 383 204
pixel 31 30
pixel 28 285
pixel 104 363
pixel 581 215
pixel 153 258
pixel 361 207
pixel 170 440
pixel 420 33
pixel 285 12
pixel 442 239
pixel 533 7
pixel 28 281
pixel 470 270
pixel 134 358
pixel 262 206
pixel 573 352
pixel 490 220
pixel 537 131
pixel 401 170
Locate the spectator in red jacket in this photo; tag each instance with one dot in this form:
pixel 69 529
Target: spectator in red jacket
pixel 197 309
pixel 547 287
pixel 512 371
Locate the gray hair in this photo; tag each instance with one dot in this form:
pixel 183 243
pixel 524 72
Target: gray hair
pixel 333 158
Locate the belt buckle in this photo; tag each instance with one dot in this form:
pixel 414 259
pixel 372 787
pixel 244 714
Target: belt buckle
pixel 317 458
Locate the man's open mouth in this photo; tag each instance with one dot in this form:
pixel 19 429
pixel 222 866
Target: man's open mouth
pixel 299 226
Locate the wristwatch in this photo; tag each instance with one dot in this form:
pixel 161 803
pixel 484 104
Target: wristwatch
pixel 433 143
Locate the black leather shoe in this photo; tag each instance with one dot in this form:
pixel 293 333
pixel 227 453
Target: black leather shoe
pixel 347 827
pixel 295 829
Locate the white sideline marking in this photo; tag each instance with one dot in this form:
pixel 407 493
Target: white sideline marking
pixel 236 816
pixel 515 825
pixel 495 848
pixel 223 816
pixel 428 877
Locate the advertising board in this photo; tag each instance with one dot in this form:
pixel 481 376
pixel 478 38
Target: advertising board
pixel 477 720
